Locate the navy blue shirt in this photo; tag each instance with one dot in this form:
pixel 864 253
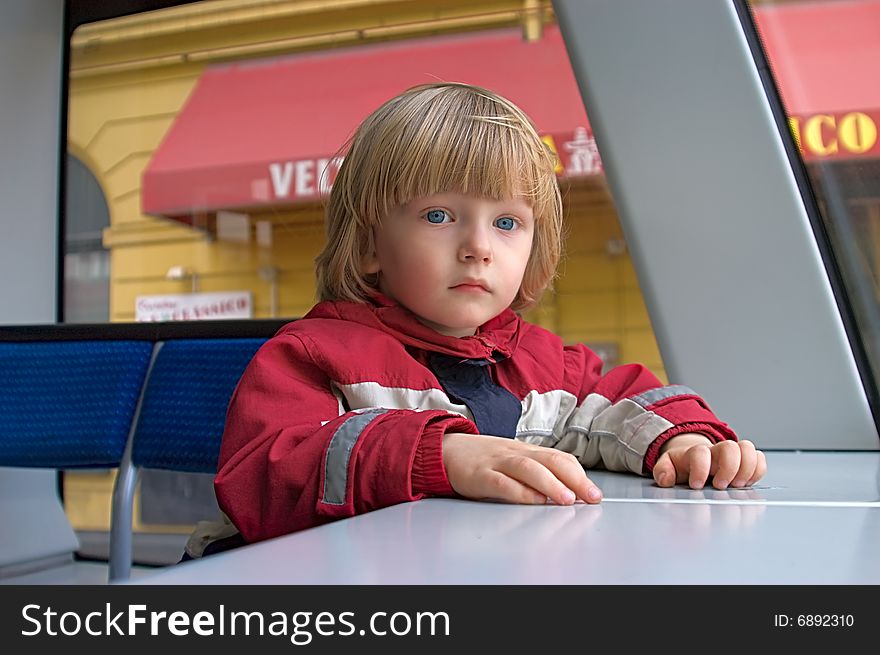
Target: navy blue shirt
pixel 496 411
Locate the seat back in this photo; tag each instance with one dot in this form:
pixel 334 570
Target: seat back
pixel 184 408
pixel 63 405
pixel 68 404
pixel 180 423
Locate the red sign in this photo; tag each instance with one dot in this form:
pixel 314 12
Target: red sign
pixel 577 152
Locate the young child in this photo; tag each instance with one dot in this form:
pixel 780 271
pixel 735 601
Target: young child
pixel 415 377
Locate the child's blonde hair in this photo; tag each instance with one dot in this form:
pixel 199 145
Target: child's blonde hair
pixel 437 138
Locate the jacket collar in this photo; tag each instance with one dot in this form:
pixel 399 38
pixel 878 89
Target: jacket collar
pixel 495 340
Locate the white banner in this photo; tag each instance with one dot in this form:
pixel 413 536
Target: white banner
pixel 194 306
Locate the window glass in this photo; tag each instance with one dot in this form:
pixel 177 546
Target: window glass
pixel 210 133
pixel 205 137
pixel 86 260
pixel 824 56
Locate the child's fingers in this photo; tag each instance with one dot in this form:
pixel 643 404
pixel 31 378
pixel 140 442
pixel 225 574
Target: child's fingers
pixel 570 472
pixel 503 487
pixel 760 468
pixel 532 473
pixel 697 465
pixel 733 463
pixel 664 471
pixel 726 458
pixel 747 463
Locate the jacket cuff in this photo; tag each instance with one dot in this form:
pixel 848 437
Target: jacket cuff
pixel 428 476
pixel 715 434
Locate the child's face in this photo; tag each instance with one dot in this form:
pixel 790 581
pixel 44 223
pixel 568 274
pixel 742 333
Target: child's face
pixel 454 260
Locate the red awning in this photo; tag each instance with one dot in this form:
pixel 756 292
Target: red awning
pixel 825 57
pixel 260 133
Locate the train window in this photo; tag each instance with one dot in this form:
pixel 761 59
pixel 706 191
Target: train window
pixel 205 137
pixel 823 56
pixel 208 135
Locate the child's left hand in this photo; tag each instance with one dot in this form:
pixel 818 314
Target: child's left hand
pixel 692 458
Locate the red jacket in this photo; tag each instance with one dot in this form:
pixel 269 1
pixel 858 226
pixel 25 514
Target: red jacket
pixel 341 413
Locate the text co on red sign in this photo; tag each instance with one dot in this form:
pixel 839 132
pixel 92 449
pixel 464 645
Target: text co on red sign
pixel 823 136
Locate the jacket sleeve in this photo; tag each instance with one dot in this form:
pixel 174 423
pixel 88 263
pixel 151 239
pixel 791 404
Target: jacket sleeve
pixel 292 458
pixel 622 418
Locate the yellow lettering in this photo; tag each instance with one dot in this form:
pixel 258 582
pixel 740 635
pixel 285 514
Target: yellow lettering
pixel 857 132
pixel 813 134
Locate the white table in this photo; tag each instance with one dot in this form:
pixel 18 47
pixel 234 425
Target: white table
pixel 814 519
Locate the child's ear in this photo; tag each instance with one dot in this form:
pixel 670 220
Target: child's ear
pixel 370 263
pixel 370 259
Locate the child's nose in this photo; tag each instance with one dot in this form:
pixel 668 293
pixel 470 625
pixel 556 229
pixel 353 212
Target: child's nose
pixel 475 246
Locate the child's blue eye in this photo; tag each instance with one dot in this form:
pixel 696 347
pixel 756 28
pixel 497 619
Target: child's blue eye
pixel 436 216
pixel 505 223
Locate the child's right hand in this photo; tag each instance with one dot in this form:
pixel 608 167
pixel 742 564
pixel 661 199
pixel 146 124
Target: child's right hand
pixel 484 467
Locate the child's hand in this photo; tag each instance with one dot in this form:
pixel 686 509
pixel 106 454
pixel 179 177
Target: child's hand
pixel 692 458
pixel 484 467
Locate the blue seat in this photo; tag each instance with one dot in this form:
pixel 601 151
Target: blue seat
pixel 184 409
pixel 68 404
pixel 63 405
pixel 180 422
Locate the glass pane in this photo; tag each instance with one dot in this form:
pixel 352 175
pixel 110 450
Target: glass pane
pixel 212 148
pixel 212 131
pixel 86 260
pixel 824 57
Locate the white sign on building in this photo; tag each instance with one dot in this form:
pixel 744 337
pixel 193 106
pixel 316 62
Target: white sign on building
pixel 194 306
